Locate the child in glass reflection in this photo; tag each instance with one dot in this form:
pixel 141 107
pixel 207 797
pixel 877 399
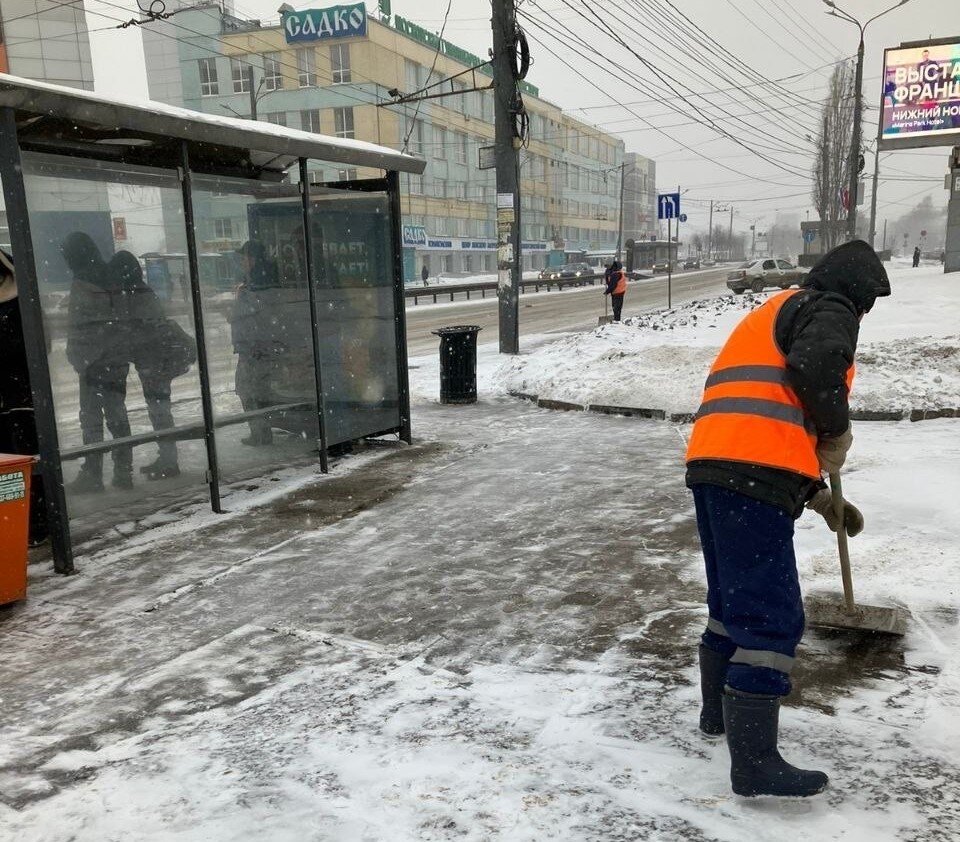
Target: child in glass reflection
pixel 97 351
pixel 253 340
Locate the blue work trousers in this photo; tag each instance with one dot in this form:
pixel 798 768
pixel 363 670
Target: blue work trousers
pixel 753 592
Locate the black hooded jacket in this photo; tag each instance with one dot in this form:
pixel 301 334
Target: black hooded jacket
pixel 817 331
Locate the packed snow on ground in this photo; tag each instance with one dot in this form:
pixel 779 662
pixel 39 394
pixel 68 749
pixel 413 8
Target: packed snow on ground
pixel 909 355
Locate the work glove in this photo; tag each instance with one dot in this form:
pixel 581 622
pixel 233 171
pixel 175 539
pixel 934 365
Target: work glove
pixel 822 504
pixel 832 452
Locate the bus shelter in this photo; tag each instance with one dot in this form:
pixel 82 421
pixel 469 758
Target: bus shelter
pixel 203 298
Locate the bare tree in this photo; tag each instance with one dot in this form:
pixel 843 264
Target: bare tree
pixel 831 168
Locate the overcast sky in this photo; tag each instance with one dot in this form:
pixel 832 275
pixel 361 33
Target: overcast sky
pixel 790 40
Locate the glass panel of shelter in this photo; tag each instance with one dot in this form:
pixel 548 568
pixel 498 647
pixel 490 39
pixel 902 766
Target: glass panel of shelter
pixel 257 323
pixel 357 327
pixel 110 243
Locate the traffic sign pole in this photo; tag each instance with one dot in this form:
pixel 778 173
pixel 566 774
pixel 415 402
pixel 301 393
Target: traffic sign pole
pixel 669 263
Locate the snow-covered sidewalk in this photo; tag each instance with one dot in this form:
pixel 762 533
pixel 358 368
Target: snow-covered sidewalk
pixel 909 356
pixel 487 636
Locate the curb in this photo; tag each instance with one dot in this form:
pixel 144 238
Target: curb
pixel 562 406
pixel 629 411
pixel 689 417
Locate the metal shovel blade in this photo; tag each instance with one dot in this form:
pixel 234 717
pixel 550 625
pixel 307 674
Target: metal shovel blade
pixel 604 320
pixel 830 612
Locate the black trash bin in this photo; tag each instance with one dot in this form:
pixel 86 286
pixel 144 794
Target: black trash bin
pixel 458 363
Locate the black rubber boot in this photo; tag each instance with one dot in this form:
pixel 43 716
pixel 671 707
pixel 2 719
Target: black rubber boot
pixel 713 677
pixel 756 767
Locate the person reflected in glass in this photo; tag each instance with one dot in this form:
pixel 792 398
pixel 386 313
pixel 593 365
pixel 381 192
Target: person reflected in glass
pixel 96 350
pixel 18 427
pixel 253 332
pixel 160 350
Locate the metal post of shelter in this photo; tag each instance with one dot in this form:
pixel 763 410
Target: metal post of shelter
pixel 203 365
pixel 35 341
pixel 400 303
pixel 312 276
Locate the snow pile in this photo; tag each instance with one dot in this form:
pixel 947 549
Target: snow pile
pixel 909 355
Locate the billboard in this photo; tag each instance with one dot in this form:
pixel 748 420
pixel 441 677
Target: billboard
pixel 921 95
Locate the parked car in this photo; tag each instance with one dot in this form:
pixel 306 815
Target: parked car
pixel 691 264
pixel 577 270
pixel 763 273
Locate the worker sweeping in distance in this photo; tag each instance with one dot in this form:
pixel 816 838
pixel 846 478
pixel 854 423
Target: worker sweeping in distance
pixel 775 414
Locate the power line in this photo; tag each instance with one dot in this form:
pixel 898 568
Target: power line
pixel 566 45
pixel 669 82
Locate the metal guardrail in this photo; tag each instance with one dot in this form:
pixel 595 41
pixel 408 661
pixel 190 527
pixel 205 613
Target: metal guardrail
pixel 416 293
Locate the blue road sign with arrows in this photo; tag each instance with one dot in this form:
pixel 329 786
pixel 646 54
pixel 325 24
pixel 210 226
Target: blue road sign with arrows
pixel 809 236
pixel 668 206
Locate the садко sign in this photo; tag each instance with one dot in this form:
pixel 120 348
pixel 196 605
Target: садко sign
pixel 315 24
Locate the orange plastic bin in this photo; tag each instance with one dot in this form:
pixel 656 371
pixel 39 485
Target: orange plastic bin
pixel 14 526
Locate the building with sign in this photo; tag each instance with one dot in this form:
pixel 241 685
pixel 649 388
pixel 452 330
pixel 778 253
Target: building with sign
pixel 337 71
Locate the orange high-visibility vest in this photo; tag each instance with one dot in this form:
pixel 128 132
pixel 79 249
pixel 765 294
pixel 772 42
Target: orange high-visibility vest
pixel 621 286
pixel 749 413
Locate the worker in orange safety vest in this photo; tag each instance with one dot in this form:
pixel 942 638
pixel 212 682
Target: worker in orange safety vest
pixel 774 415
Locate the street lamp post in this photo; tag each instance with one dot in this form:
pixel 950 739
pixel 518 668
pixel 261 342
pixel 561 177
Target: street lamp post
pixel 853 185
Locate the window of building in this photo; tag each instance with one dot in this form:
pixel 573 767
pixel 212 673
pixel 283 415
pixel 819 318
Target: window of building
pixel 416 185
pixel 460 147
pixel 347 175
pixel 272 72
pixel 209 85
pixel 468 262
pixel 447 263
pixel 463 227
pixel 411 75
pixel 460 190
pixel 278 118
pixel 340 63
pixel 439 142
pixel 310 120
pixel 223 228
pixel 307 68
pixel 240 72
pixel 440 188
pixel 343 122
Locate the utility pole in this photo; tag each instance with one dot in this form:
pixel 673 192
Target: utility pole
pixel 253 93
pixel 884 246
pixel 873 195
pixel 730 256
pixel 854 185
pixel 623 178
pixel 509 258
pixel 710 234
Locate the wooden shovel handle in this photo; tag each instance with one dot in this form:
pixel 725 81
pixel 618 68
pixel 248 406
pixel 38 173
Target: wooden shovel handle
pixel 836 489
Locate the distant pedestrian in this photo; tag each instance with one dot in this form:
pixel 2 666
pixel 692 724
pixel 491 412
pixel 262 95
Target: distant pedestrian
pixel 916 257
pixel 425 275
pixel 775 415
pixel 18 428
pixel 616 287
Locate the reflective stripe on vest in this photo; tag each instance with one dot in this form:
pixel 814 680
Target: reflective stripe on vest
pixel 621 286
pixel 749 412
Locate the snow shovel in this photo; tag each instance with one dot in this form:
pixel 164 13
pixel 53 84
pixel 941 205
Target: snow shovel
pixel 833 613
pixel 605 319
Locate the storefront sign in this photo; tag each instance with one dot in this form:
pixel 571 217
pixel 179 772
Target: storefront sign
pixel 414 236
pixel 316 24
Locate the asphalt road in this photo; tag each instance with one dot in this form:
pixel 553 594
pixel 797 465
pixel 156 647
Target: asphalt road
pixel 553 312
